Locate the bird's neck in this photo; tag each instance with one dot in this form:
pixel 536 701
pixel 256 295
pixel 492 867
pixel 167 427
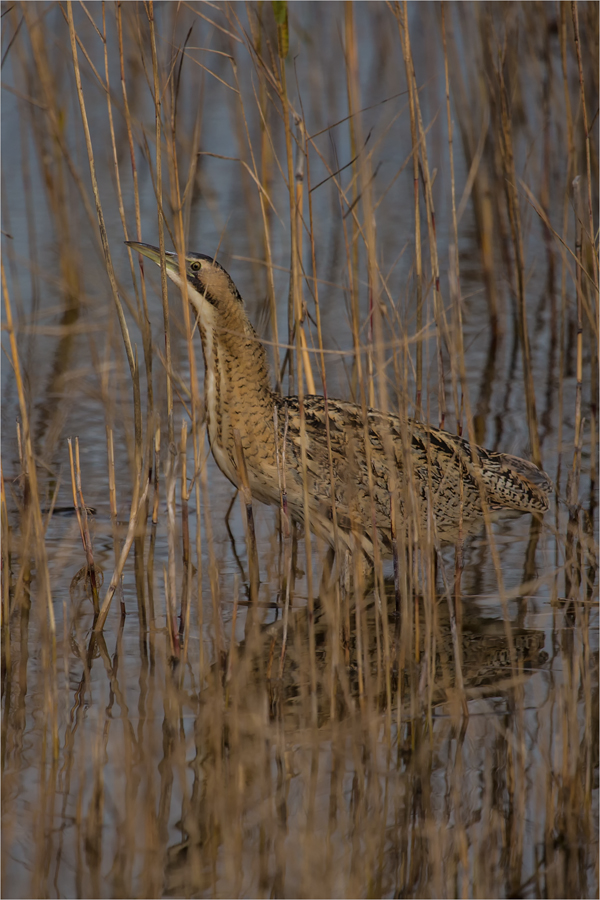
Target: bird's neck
pixel 237 393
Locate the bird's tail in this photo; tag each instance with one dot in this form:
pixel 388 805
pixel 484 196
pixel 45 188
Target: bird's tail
pixel 515 483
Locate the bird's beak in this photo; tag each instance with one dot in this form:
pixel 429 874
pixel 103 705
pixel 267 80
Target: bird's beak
pixel 153 253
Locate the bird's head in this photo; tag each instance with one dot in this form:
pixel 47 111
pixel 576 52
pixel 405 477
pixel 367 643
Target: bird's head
pixel 211 291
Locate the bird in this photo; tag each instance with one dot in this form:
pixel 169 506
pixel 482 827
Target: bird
pixel 339 466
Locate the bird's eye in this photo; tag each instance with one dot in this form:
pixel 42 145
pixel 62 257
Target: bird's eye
pixel 195 266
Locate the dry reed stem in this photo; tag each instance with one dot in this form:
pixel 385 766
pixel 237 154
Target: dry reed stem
pixel 246 498
pixel 133 368
pixel 300 314
pixel 265 178
pixel 335 614
pixel 178 205
pixel 198 463
pixel 352 249
pixel 592 237
pixel 155 509
pixel 404 39
pixel 6 585
pixel 295 315
pixel 428 196
pixel 54 180
pixel 33 508
pixel 456 335
pixel 171 569
pixel 232 642
pixel 131 532
pixel 161 233
pixel 112 490
pixel 34 512
pixel 186 590
pixel 142 314
pixel 506 146
pixel 293 303
pixel 145 320
pixel 84 531
pixel 375 340
pixel 577 435
pixel 219 642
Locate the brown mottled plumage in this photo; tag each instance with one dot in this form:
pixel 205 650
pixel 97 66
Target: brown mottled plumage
pixel 438 470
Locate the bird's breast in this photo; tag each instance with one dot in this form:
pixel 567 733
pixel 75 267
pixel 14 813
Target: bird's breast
pixel 215 392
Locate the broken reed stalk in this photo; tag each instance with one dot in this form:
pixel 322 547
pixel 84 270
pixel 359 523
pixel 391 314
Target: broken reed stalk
pixel 131 531
pixel 112 492
pixel 82 521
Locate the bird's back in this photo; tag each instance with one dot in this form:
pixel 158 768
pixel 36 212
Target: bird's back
pixel 427 469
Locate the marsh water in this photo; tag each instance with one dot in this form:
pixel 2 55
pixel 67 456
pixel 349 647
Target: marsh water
pixel 241 769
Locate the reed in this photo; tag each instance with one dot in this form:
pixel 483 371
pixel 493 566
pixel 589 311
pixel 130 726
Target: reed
pixel 406 196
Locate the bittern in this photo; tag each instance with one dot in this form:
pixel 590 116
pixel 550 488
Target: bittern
pixel 354 465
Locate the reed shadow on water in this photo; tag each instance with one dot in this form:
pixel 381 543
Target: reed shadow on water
pixel 339 672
